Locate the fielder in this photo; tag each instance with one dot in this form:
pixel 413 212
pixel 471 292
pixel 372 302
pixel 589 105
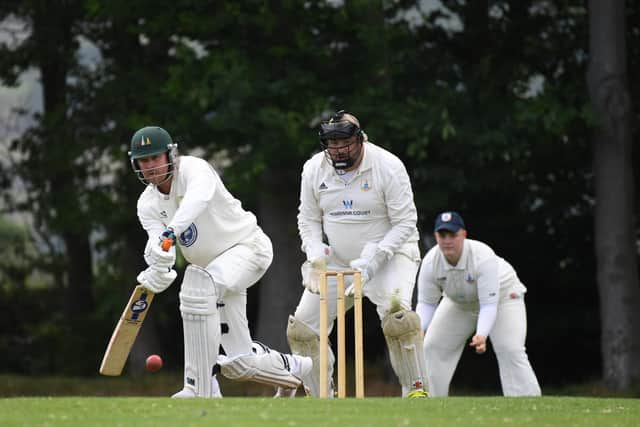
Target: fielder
pixel 185 200
pixel 359 196
pixel 481 297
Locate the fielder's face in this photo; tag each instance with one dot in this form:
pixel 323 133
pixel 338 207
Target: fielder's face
pixel 154 168
pixel 341 150
pixel 451 244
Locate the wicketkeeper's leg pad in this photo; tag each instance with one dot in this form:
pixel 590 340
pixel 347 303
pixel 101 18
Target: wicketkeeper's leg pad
pixel 201 324
pixel 270 368
pixel 305 342
pixel 404 340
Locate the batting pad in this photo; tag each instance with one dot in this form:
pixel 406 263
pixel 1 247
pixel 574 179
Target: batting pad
pixel 271 368
pixel 201 323
pixel 305 342
pixel 404 339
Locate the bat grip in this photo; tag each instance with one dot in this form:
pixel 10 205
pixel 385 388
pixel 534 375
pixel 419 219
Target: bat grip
pixel 166 244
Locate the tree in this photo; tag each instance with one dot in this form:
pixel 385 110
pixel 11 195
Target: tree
pixel 51 179
pixel 615 230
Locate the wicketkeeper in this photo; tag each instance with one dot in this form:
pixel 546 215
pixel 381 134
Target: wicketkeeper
pixel 186 201
pixel 357 212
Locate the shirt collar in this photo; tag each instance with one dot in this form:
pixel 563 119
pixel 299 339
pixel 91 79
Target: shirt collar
pixel 367 161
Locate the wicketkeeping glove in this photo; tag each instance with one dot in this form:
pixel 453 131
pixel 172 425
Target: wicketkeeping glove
pixel 371 259
pixel 311 274
pixel 317 251
pixel 157 279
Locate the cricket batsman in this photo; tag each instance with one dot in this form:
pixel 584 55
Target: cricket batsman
pixel 186 201
pixel 357 212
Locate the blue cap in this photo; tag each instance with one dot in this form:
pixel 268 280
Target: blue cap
pixel 450 221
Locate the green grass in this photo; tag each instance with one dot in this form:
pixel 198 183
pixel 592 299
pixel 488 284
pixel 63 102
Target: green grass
pixel 54 401
pixel 306 412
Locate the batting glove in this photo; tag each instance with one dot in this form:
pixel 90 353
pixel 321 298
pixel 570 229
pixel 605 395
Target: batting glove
pixel 154 255
pixel 168 234
pixel 157 280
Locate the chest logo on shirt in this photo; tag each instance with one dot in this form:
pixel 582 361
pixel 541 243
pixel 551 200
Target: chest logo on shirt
pixel 189 236
pixel 347 210
pixel 163 214
pixel 469 279
pixel 323 186
pixel 365 186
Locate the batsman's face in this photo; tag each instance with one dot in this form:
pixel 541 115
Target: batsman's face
pixel 451 244
pixel 154 168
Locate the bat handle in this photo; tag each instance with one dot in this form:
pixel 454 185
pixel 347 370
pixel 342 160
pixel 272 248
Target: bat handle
pixel 166 244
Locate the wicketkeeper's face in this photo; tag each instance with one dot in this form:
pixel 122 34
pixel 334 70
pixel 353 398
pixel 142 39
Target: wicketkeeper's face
pixel 343 149
pixel 154 168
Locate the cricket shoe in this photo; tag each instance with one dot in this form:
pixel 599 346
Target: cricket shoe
pixel 189 392
pixel 300 367
pixel 417 394
pixel 285 393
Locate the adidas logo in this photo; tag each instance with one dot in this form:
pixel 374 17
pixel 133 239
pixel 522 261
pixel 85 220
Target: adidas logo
pixel 323 186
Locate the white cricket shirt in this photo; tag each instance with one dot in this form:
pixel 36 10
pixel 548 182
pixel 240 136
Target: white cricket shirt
pixel 206 218
pixel 376 205
pixel 480 277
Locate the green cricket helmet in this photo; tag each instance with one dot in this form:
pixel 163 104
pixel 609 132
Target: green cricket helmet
pixel 152 141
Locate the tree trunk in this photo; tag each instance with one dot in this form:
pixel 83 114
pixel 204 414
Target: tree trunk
pixel 281 288
pixel 615 244
pixel 79 298
pixel 57 46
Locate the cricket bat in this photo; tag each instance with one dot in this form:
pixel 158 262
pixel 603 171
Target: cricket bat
pixel 126 331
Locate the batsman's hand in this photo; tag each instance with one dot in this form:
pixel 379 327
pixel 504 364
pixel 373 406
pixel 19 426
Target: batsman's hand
pixel 161 254
pixel 154 255
pixel 157 279
pixel 167 239
pixel 311 271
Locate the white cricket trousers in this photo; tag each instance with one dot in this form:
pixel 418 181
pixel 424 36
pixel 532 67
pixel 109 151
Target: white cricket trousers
pixel 233 272
pixel 449 332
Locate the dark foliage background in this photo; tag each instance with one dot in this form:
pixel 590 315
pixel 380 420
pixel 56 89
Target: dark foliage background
pixel 485 102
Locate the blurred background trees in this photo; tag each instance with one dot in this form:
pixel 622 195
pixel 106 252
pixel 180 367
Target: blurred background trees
pixel 485 101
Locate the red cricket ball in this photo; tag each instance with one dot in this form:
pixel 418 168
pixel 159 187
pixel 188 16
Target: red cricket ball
pixel 153 363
